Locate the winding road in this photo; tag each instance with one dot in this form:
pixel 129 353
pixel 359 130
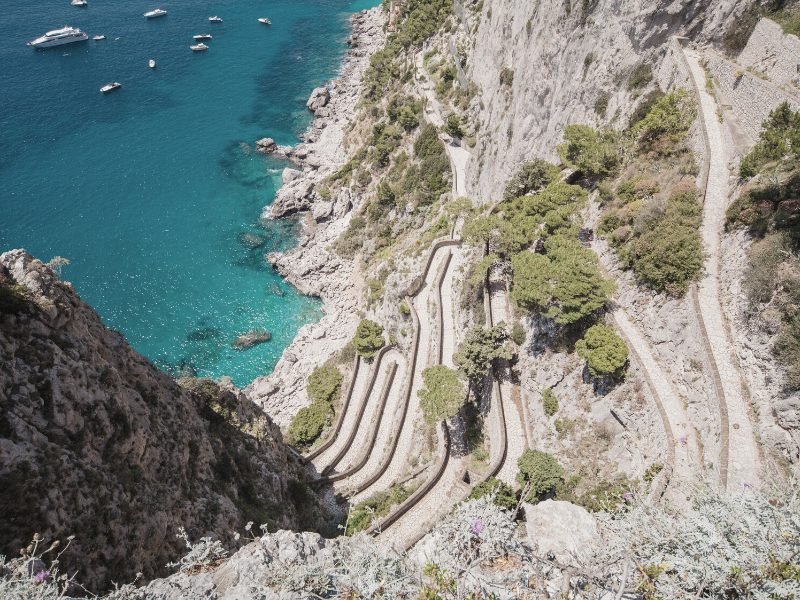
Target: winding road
pixel 743 464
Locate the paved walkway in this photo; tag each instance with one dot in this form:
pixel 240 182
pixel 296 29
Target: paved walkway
pixel 744 456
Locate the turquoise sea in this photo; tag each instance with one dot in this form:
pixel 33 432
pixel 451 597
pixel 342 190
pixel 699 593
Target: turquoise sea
pixel 148 190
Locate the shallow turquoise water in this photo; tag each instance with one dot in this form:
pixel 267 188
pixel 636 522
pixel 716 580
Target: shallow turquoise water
pixel 148 190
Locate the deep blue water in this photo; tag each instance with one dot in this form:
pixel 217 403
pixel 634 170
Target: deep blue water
pixel 149 189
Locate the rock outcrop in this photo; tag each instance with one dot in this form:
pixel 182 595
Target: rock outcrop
pixel 319 98
pixel 98 443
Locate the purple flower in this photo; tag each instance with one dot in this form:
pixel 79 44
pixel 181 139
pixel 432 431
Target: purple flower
pixel 477 527
pixel 682 440
pixel 627 496
pixel 41 576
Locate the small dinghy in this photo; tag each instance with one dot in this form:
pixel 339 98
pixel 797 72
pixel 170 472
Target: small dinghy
pixel 98 38
pixel 201 47
pixel 215 19
pixel 82 3
pixel 110 87
pixel 265 21
pixel 201 36
pixel 151 63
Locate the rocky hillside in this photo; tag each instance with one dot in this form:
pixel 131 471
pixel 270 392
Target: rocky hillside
pixel 567 62
pixel 97 443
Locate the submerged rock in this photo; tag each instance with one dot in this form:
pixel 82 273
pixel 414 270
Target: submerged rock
pixel 266 145
pixel 251 240
pixel 252 338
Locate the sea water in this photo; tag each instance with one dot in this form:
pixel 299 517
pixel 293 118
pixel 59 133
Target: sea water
pixel 150 190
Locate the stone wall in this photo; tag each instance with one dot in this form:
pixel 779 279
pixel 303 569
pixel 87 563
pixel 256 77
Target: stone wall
pixel 775 54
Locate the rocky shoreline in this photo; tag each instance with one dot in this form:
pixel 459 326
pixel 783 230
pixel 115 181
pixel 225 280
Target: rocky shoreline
pixel 312 267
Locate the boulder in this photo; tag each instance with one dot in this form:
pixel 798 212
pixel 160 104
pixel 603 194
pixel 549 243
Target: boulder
pixel 290 175
pixel 251 338
pixel 566 530
pixel 319 98
pixel 266 145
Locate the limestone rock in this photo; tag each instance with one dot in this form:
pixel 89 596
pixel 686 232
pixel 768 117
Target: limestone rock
pixel 319 98
pixel 565 529
pixel 252 338
pixel 266 145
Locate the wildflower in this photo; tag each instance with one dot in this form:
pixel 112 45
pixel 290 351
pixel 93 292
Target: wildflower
pixel 627 496
pixel 477 527
pixel 236 536
pixel 41 577
pixel 682 440
pixel 249 526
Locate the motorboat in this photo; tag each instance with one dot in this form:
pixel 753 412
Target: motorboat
pixel 156 12
pixel 202 36
pixel 58 37
pixel 98 38
pixel 201 47
pixel 215 19
pixel 79 3
pixel 151 63
pixel 110 87
pixel 265 21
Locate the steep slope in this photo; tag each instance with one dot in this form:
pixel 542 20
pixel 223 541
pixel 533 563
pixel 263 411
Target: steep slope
pixel 562 58
pixel 97 443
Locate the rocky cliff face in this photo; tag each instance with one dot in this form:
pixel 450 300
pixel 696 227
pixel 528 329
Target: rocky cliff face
pixel 564 57
pixel 97 443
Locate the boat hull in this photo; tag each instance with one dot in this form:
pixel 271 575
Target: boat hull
pixel 58 42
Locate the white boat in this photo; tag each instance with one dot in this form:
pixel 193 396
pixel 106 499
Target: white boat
pixel 156 12
pixel 151 63
pixel 79 3
pixel 110 87
pixel 98 38
pixel 202 36
pixel 215 19
pixel 201 47
pixel 58 37
pixel 265 21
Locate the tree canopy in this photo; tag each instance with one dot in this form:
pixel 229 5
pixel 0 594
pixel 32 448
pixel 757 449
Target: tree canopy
pixel 368 338
pixel 325 384
pixel 480 349
pixel 594 153
pixel 564 284
pixel 605 352
pixel 532 176
pixel 541 471
pixel 443 394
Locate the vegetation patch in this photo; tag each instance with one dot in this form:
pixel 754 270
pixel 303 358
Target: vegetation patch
pixel 377 506
pixel 443 394
pixel 605 352
pixel 368 339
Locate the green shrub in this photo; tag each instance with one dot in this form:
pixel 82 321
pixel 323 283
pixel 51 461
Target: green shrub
pixel 453 126
pixel 564 284
pixel 601 105
pixel 506 76
pixel 518 335
pixel 540 471
pixel 376 506
pixel 780 138
pixel 596 154
pixel 644 107
pixel 640 77
pixel 532 176
pixel 443 394
pixel 368 338
pixel 604 351
pixel 667 122
pixel 325 384
pixel 504 495
pixel 308 424
pixel 549 402
pixel 652 472
pixel 481 349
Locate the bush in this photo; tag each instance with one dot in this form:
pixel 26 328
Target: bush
pixel 604 351
pixel 532 176
pixel 325 384
pixel 443 394
pixel 368 338
pixel 539 472
pixel 667 122
pixel 780 138
pixel 564 284
pixel 308 424
pixel 518 335
pixel 506 76
pixel 479 351
pixel 501 493
pixel 549 402
pixel 453 126
pixel 378 505
pixel 640 77
pixel 666 252
pixel 596 154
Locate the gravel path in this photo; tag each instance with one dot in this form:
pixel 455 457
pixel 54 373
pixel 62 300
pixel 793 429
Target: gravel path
pixel 515 431
pixel 364 375
pixel 407 450
pixel 743 461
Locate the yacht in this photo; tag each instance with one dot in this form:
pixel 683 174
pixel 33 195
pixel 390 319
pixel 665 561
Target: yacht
pixel 110 87
pixel 152 14
pixel 265 21
pixel 201 47
pixel 202 36
pixel 57 37
pixel 79 3
pixel 151 63
pixel 98 38
pixel 215 19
